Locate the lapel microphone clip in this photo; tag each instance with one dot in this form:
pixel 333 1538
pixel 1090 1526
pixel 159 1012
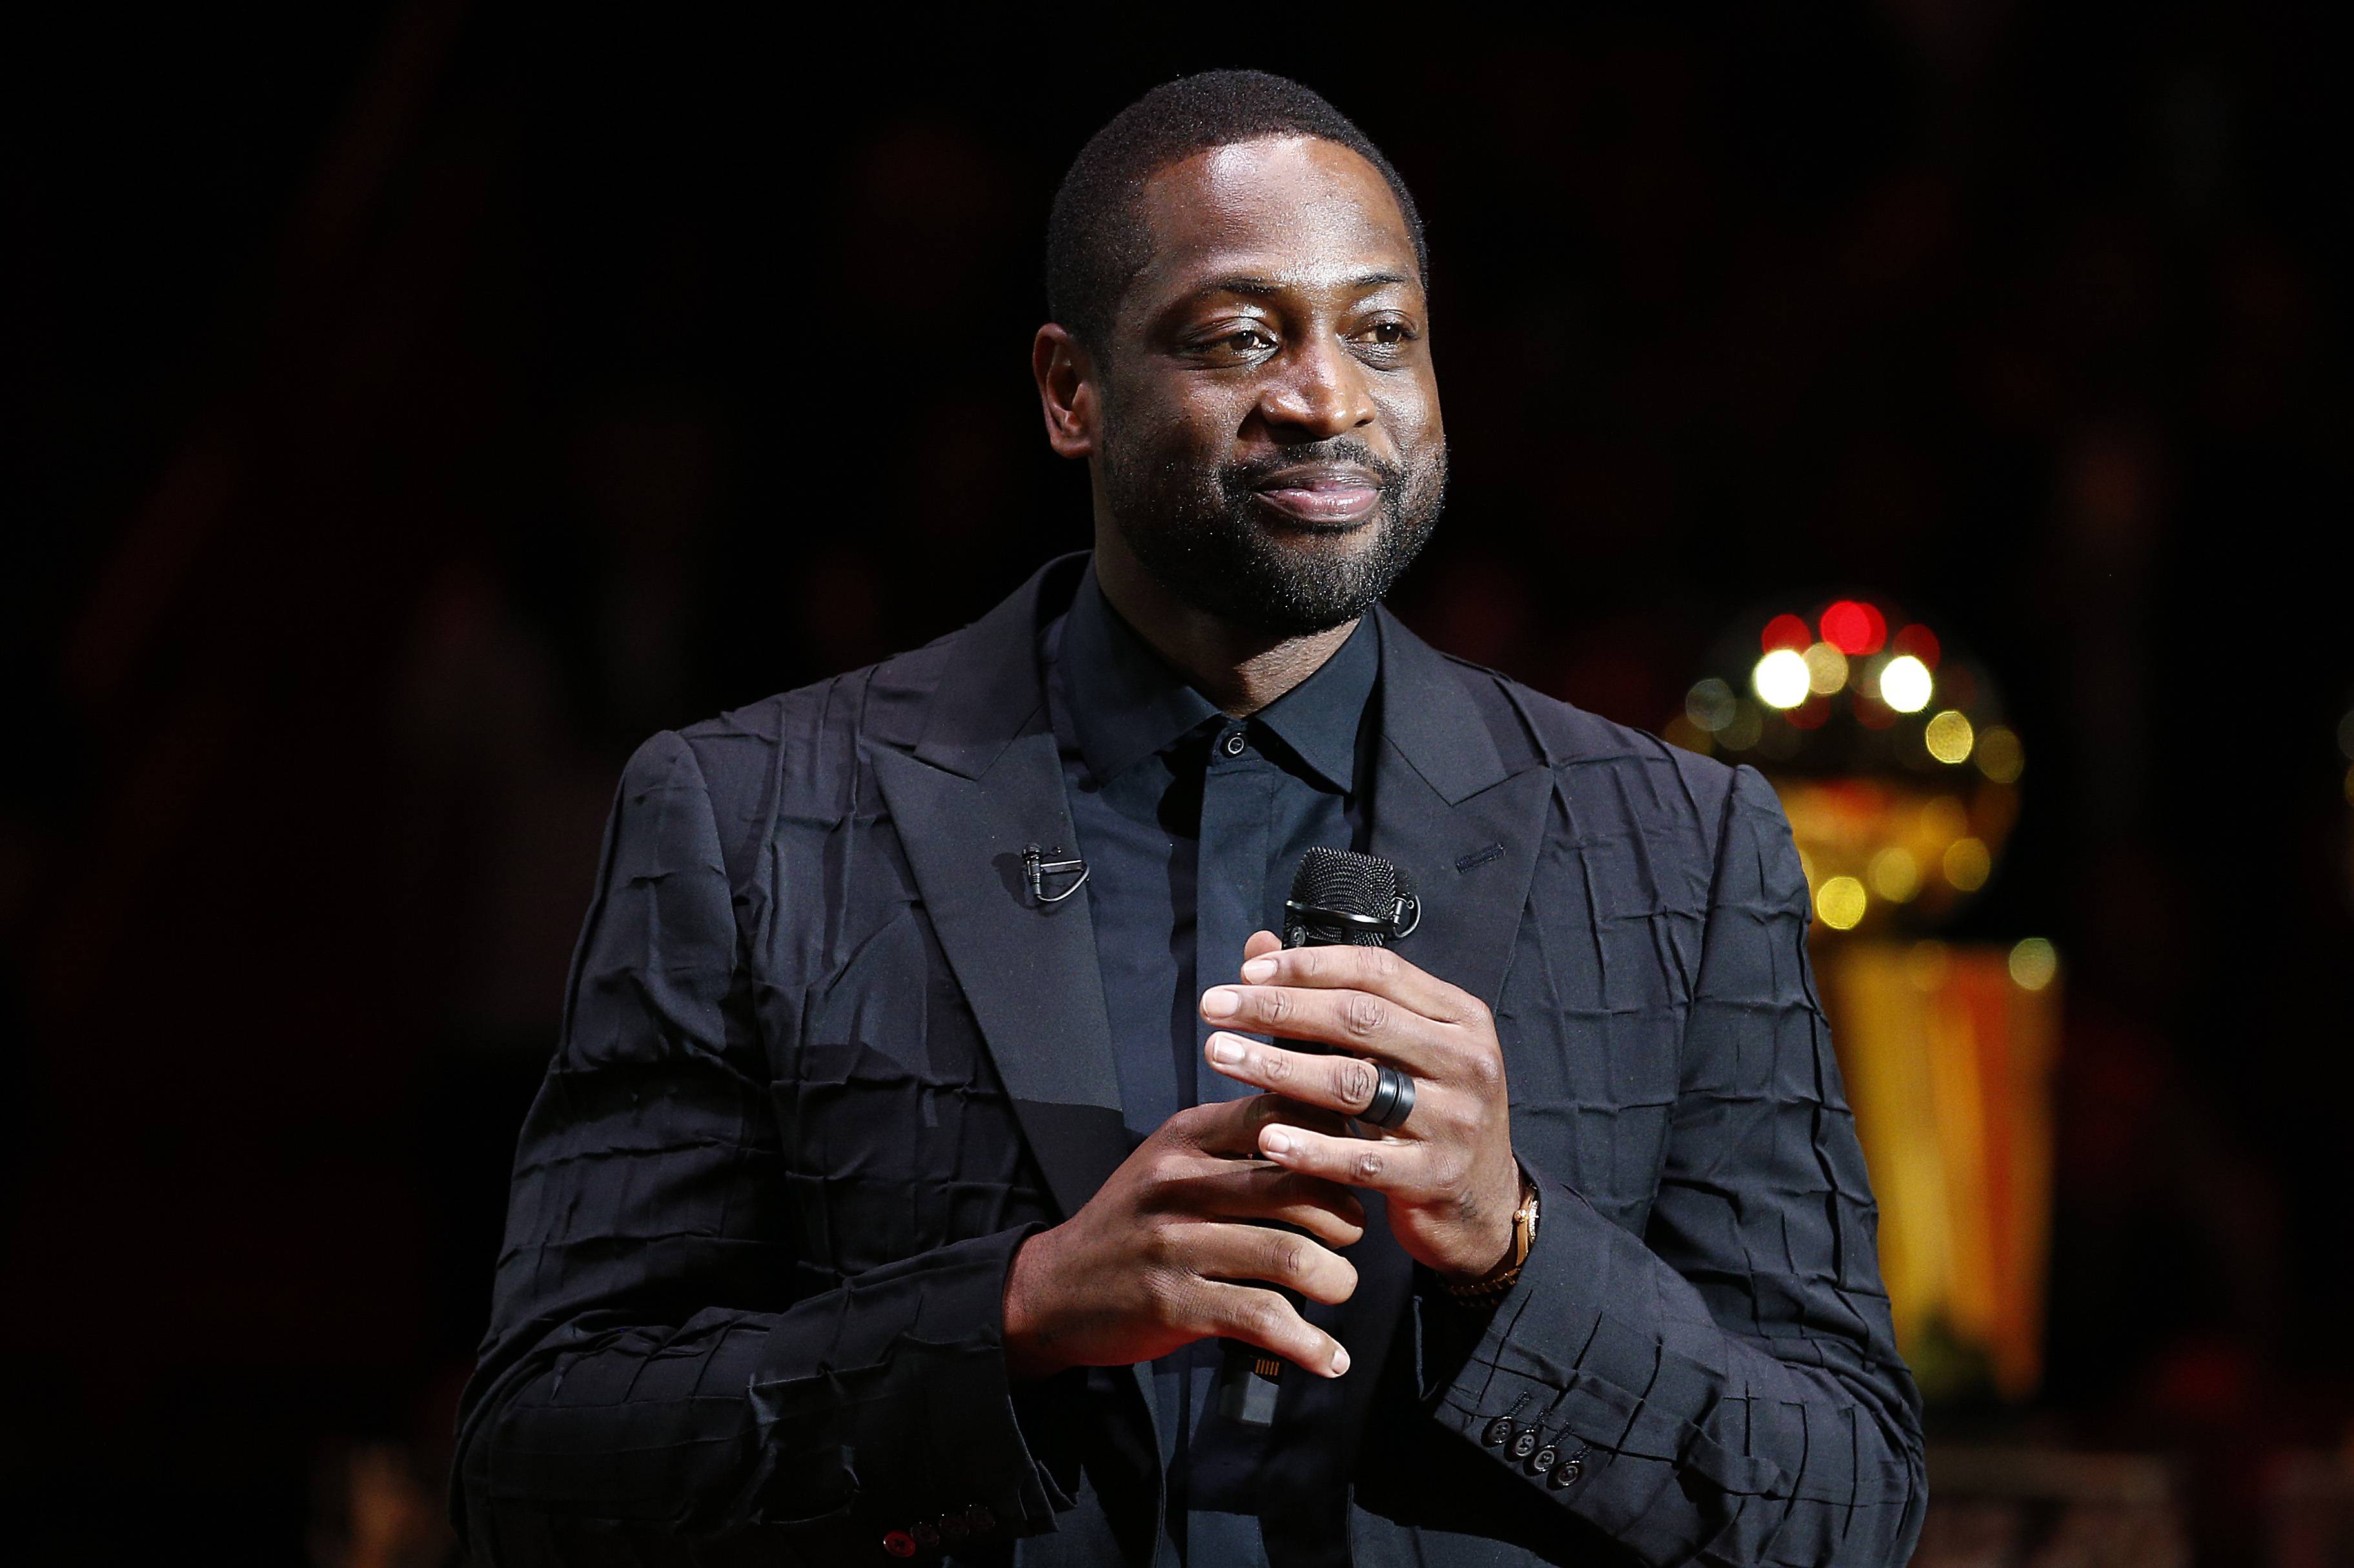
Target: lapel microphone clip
pixel 1037 868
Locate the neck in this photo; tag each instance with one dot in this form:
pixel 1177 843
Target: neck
pixel 1240 670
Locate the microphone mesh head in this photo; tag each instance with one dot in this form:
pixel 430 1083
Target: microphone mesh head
pixel 1345 882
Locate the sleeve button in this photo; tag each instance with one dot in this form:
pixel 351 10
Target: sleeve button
pixel 1499 1433
pixel 927 1534
pixel 1543 1460
pixel 899 1543
pixel 982 1521
pixel 952 1527
pixel 1525 1444
pixel 1567 1471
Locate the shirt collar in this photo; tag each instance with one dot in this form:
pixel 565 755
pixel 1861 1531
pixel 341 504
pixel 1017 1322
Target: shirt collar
pixel 1128 704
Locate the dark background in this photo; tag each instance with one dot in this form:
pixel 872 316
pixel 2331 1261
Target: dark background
pixel 410 407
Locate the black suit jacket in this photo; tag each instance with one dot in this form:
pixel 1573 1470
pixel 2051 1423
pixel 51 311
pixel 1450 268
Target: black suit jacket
pixel 824 1065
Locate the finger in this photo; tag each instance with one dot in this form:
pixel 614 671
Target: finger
pixel 1375 969
pixel 1262 1318
pixel 1343 1084
pixel 1261 943
pixel 1330 1212
pixel 1392 1166
pixel 1356 1020
pixel 1222 1251
pixel 1230 1128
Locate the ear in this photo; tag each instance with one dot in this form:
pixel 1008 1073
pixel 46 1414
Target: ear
pixel 1067 392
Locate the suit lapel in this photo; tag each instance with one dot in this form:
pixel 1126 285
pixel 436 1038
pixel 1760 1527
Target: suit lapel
pixel 1447 808
pixel 982 784
pixel 1465 824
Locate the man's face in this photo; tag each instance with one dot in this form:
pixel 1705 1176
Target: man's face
pixel 1270 448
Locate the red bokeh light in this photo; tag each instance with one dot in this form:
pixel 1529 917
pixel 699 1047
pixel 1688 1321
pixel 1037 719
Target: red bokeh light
pixel 1918 640
pixel 1786 631
pixel 1854 628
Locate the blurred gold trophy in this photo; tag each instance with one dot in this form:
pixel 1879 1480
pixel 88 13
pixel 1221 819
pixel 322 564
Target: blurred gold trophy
pixel 1890 753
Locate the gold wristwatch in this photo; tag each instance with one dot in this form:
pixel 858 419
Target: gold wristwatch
pixel 1507 1274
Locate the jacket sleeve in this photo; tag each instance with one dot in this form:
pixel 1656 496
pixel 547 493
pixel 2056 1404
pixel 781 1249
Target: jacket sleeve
pixel 1724 1389
pixel 651 1391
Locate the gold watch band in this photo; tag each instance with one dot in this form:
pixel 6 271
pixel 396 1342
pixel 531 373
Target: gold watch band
pixel 1507 1274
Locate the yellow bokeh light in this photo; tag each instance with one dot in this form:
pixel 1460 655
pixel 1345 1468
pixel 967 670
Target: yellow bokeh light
pixel 1782 679
pixel 1949 737
pixel 1943 820
pixel 1895 875
pixel 1841 903
pixel 1968 864
pixel 1746 728
pixel 1905 684
pixel 1711 704
pixel 2033 963
pixel 1999 754
pixel 1825 669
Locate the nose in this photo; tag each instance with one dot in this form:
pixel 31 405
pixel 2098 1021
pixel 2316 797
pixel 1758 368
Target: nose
pixel 1319 391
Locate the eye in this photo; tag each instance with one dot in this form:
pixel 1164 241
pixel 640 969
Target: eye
pixel 1388 333
pixel 1229 343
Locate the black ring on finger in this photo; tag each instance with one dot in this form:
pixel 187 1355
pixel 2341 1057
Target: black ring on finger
pixel 1392 1100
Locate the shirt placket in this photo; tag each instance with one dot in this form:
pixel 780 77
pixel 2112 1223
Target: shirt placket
pixel 1237 797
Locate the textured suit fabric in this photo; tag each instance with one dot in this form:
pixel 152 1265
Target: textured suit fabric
pixel 817 1081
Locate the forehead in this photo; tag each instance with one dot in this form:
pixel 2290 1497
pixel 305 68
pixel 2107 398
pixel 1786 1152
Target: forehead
pixel 1297 209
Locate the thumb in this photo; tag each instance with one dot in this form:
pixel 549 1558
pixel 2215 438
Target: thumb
pixel 1261 943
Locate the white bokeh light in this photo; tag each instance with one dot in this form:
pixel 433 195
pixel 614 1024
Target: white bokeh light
pixel 1782 679
pixel 1905 685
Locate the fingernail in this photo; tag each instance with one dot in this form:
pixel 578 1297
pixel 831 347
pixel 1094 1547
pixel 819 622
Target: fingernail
pixel 1258 969
pixel 1340 1361
pixel 1222 1002
pixel 1276 1141
pixel 1226 1050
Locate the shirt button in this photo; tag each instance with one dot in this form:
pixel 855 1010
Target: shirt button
pixel 1234 743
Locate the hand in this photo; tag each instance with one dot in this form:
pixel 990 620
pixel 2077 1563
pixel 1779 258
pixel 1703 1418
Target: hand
pixel 1448 1174
pixel 1149 1263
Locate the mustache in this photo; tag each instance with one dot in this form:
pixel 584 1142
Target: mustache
pixel 1241 478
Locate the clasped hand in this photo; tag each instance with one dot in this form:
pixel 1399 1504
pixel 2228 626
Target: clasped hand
pixel 1151 1263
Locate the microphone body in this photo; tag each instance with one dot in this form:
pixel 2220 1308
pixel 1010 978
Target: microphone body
pixel 1339 898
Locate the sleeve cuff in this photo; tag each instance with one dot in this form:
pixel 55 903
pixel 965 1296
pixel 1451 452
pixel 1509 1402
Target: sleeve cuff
pixel 905 1415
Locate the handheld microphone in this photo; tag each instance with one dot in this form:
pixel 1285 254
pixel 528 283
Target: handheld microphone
pixel 1339 898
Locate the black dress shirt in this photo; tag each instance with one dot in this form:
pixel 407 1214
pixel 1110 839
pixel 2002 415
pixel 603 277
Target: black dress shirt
pixel 1192 824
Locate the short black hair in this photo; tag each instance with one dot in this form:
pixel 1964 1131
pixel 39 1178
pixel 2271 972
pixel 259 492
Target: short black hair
pixel 1095 241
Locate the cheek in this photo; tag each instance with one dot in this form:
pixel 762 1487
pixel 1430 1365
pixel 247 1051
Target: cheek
pixel 1182 427
pixel 1411 408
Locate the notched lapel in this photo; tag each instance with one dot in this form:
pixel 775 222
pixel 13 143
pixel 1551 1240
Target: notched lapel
pixel 1465 824
pixel 1462 818
pixel 1027 968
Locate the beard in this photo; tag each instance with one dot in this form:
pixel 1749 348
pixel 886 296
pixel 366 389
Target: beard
pixel 1203 537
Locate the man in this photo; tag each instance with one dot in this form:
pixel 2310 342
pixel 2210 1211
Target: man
pixel 918 1131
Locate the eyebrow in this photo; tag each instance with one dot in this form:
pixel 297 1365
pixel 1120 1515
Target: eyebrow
pixel 1257 288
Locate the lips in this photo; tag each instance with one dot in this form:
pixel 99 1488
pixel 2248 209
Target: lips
pixel 1326 497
